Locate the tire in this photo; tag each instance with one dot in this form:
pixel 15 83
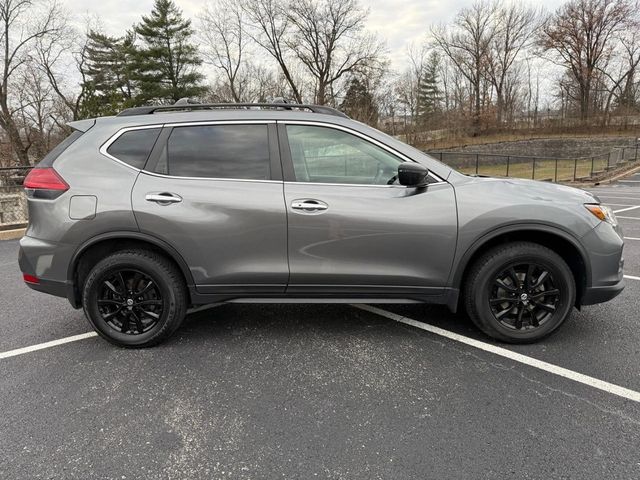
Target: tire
pixel 502 283
pixel 134 298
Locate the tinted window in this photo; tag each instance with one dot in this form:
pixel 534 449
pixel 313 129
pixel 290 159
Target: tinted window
pixel 50 157
pixel 133 147
pixel 327 155
pixel 218 151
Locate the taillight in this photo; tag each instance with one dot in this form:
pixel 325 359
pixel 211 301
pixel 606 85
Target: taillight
pixel 30 278
pixel 44 183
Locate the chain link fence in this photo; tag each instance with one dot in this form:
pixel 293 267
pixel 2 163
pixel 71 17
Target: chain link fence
pixel 539 168
pixel 13 203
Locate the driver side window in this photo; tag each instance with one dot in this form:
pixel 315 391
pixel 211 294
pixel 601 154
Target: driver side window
pixel 327 155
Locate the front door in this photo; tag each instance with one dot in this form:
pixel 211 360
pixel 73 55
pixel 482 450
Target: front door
pixel 352 229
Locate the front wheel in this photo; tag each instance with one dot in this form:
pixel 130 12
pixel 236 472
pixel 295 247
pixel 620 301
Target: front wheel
pixel 134 298
pixel 519 292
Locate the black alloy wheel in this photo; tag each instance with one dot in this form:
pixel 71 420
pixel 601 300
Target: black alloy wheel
pixel 130 302
pixel 524 296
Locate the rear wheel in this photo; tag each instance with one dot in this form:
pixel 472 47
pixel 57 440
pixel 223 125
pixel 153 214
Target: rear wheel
pixel 519 292
pixel 134 298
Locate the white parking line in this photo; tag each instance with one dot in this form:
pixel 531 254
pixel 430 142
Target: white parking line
pixel 631 277
pixel 631 238
pixel 628 218
pixel 626 209
pixel 42 346
pixel 503 352
pixel 82 336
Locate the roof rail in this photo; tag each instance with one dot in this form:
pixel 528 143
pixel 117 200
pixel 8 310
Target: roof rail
pixel 323 109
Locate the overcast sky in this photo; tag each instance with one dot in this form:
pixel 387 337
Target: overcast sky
pixel 399 22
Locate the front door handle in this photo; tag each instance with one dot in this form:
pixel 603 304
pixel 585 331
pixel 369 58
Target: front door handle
pixel 163 198
pixel 309 205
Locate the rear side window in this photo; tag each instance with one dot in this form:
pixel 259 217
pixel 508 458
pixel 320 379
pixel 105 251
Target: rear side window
pixel 218 151
pixel 133 147
pixel 51 157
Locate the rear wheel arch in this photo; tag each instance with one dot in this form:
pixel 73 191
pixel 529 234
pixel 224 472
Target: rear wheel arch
pixel 96 248
pixel 561 242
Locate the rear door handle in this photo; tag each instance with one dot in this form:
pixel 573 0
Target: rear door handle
pixel 163 198
pixel 309 205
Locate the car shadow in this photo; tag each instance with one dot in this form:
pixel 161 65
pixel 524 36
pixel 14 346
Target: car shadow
pixel 291 320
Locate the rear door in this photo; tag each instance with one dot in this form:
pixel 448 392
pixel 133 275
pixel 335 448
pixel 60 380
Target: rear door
pixel 214 192
pixel 352 229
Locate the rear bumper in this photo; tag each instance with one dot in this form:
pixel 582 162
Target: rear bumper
pixel 48 262
pixel 593 295
pixel 52 287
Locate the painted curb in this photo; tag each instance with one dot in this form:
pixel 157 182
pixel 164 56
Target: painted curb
pixel 12 234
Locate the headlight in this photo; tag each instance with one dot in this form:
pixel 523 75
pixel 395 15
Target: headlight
pixel 603 213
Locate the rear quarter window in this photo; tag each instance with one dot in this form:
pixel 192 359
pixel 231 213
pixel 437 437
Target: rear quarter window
pixel 134 146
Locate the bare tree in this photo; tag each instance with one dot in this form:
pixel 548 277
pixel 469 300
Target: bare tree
pixel 271 28
pixel 631 59
pixel 386 99
pixel 22 23
pixel 513 28
pixel 581 34
pixel 533 94
pixel 57 56
pixel 406 88
pixel 225 41
pixel 328 39
pixel 619 84
pixel 417 56
pixel 407 91
pixel 37 110
pixel 468 45
pixel 265 84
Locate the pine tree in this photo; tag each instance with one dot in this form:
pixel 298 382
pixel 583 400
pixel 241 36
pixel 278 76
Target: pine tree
pixel 166 62
pixel 359 104
pixel 107 71
pixel 429 95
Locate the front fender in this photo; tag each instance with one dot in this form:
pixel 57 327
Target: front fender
pixel 465 253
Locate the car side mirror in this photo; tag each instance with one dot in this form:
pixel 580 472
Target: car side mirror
pixel 411 174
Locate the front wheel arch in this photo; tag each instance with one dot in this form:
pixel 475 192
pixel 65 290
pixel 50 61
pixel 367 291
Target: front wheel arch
pixel 561 242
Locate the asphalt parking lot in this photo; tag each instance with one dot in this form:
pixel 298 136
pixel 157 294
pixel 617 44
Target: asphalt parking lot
pixel 316 391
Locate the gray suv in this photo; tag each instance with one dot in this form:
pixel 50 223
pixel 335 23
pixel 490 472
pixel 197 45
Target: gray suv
pixel 137 217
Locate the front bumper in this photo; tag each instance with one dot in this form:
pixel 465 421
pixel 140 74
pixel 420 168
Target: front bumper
pixel 593 295
pixel 604 245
